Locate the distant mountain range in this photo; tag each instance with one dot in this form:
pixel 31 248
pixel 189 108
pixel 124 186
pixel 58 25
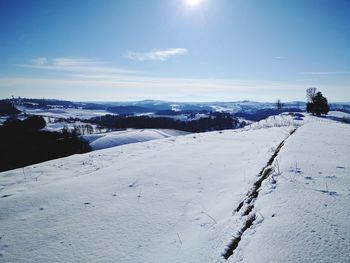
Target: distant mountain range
pixel 247 109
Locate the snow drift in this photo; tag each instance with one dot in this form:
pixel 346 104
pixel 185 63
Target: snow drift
pixel 117 138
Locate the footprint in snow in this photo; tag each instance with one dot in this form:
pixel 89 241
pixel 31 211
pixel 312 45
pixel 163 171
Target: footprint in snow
pixel 308 178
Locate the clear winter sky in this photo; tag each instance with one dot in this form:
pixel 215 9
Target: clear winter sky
pixel 180 50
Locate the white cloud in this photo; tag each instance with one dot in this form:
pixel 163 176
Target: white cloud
pixel 73 62
pixel 76 65
pixel 280 57
pixel 155 54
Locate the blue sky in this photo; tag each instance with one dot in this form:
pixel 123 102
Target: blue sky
pixel 169 49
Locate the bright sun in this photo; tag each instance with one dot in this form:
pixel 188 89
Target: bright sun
pixel 193 2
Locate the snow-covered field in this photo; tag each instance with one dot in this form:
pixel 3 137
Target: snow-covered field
pixel 58 126
pixel 176 199
pixel 62 113
pixel 339 116
pixel 117 138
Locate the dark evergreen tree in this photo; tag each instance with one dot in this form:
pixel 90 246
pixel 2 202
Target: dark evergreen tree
pixel 321 104
pixel 34 123
pixel 24 143
pixel 317 104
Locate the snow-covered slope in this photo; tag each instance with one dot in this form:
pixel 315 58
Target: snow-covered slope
pixel 168 200
pixel 303 214
pixel 117 138
pixel 339 116
pixel 176 200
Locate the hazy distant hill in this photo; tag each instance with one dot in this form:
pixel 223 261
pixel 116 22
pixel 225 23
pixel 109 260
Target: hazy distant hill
pixel 251 110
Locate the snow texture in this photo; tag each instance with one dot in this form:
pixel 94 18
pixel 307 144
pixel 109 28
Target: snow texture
pixel 159 201
pixel 304 215
pixel 175 199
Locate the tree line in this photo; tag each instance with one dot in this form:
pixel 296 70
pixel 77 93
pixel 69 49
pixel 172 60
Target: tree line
pixel 216 121
pixel 25 143
pixel 8 108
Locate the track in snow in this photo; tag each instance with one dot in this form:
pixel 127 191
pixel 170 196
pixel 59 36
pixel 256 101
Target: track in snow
pixel 248 202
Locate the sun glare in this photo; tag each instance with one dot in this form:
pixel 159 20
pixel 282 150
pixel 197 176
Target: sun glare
pixel 193 2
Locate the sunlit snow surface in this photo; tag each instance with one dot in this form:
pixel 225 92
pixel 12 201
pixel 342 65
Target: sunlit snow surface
pixel 305 218
pixel 172 200
pixel 117 138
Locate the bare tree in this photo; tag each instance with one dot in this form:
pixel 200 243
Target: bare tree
pixel 279 105
pixel 310 94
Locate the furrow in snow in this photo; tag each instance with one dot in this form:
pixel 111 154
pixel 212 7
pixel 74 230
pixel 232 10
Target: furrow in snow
pixel 251 196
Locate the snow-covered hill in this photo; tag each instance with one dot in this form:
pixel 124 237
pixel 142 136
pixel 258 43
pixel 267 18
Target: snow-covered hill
pixel 262 193
pixel 303 212
pixel 117 138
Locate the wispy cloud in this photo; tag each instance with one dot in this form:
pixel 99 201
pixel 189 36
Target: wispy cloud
pixel 155 54
pixel 76 65
pixel 280 57
pixel 90 79
pixel 135 87
pixel 39 61
pixel 325 72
